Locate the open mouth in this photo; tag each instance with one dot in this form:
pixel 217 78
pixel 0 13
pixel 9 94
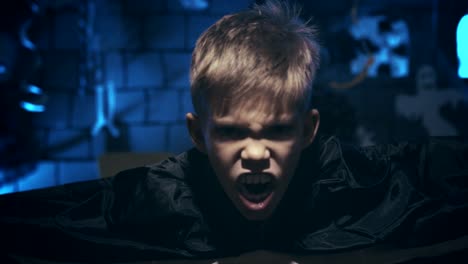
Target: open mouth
pixel 255 187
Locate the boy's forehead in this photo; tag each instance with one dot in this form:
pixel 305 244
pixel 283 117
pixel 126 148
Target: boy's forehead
pixel 248 117
pixel 252 109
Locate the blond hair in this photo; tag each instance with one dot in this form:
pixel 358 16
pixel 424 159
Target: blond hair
pixel 265 57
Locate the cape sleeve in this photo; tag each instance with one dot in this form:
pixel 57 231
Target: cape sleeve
pixel 139 214
pixel 438 205
pixel 405 194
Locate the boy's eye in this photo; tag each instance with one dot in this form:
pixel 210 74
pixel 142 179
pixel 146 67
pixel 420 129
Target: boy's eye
pixel 277 132
pixel 230 133
pixel 280 132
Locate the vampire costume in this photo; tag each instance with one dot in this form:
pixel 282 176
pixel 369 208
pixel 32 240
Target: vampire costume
pixel 341 198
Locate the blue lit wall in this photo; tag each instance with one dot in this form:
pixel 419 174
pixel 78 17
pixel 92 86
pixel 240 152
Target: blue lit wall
pixel 146 50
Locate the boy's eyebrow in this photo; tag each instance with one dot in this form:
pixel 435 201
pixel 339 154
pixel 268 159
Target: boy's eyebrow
pixel 271 123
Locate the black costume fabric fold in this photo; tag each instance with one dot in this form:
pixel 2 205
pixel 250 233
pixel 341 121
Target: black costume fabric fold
pixel 341 198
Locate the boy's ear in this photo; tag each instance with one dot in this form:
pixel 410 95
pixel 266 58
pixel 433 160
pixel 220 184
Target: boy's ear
pixel 194 126
pixel 311 125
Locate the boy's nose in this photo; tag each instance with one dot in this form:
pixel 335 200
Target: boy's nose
pixel 255 150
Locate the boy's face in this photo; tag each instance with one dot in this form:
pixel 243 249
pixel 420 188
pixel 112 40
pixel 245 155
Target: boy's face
pixel 254 155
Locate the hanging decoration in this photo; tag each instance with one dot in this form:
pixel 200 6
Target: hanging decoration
pixel 390 43
pixel 363 73
pixel 382 48
pixel 425 106
pixel 19 98
pixel 34 99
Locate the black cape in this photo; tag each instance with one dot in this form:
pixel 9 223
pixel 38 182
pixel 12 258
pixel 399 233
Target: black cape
pixel 341 198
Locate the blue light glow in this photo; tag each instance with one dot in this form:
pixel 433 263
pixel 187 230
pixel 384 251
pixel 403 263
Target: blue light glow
pixel 2 69
pixel 35 8
pixel 7 188
pixel 38 104
pixel 24 36
pixel 462 47
pixel 30 107
pixel 34 89
pixel 194 4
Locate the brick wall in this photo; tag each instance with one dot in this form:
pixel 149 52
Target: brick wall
pixel 146 47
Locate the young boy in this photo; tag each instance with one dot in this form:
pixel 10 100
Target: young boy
pixel 251 84
pixel 258 179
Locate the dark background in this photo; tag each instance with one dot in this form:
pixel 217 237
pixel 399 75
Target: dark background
pixel 142 48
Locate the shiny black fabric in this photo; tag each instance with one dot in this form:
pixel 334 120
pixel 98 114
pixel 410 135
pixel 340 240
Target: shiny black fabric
pixel 341 198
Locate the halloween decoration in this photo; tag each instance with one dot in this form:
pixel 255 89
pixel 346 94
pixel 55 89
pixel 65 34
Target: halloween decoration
pixel 426 104
pixel 20 100
pixel 388 40
pixel 462 47
pixel 380 48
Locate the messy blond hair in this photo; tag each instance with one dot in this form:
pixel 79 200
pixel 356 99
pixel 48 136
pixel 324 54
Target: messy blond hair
pixel 265 57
